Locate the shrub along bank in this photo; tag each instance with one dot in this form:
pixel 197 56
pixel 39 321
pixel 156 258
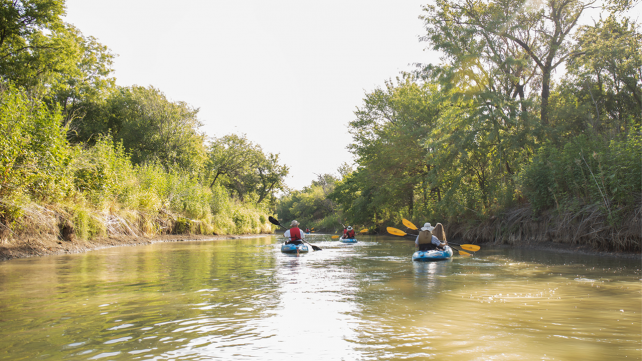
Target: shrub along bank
pixel 52 189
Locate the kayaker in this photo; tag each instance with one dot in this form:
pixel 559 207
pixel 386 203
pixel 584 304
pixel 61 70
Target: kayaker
pixel 426 241
pixel 348 232
pixel 294 235
pixel 440 233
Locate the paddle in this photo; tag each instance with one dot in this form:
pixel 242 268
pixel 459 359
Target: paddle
pixel 363 231
pixel 469 247
pixel 408 224
pixel 275 222
pixel 400 233
pixel 335 237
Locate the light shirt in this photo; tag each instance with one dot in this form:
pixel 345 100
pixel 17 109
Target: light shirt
pixel 434 240
pixel 287 234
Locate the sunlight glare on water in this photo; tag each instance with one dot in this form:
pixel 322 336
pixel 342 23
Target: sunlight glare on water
pixel 244 299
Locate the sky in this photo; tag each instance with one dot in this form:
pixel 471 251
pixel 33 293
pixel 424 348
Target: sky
pixel 288 74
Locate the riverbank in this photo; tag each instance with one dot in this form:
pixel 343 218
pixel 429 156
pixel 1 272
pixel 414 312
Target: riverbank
pixel 38 247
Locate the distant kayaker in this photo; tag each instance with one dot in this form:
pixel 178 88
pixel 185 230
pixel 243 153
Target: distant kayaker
pixel 307 231
pixel 426 241
pixel 348 233
pixel 294 235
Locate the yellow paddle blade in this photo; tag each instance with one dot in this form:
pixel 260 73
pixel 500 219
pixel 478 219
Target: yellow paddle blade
pixel 470 247
pixel 335 237
pixel 396 232
pixel 465 254
pixel 408 224
pixel 363 231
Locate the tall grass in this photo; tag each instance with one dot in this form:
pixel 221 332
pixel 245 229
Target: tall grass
pixel 49 187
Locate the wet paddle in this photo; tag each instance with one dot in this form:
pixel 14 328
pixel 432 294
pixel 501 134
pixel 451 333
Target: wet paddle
pixel 275 222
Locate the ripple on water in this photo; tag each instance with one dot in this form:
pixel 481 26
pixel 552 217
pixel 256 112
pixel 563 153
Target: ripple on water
pixel 244 299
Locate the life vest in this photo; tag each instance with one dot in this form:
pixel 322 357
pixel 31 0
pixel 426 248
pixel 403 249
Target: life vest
pixel 349 234
pixel 295 234
pixel 425 237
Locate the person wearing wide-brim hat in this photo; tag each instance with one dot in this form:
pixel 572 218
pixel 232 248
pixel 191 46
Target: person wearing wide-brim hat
pixel 295 235
pixel 425 241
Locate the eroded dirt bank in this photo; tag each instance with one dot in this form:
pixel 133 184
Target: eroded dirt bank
pixel 34 247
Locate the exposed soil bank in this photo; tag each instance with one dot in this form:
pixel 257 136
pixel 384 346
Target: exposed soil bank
pixel 31 247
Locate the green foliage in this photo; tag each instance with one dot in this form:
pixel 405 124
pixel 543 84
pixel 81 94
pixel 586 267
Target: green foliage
pixel 138 164
pixel 488 129
pixel 312 206
pixel 34 154
pixel 103 171
pixel 25 51
pixel 150 127
pixel 585 171
pixel 602 93
pixel 244 170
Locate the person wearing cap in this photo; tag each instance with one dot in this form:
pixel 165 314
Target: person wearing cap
pixel 294 235
pixel 426 241
pixel 348 232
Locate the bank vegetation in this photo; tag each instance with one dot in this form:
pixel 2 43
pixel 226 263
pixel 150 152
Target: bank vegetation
pixel 527 131
pixel 83 159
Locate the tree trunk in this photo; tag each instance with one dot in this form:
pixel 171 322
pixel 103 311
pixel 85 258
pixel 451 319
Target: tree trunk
pixel 546 93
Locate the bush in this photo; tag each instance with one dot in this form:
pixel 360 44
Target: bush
pixel 34 153
pixel 585 171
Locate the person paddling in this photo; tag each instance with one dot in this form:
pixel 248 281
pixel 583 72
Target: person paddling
pixel 426 241
pixel 348 233
pixel 294 235
pixel 440 233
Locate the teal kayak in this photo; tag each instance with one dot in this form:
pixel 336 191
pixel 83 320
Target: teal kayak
pixel 348 240
pixel 433 255
pixel 291 248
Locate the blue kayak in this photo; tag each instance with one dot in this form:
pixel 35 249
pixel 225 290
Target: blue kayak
pixel 348 240
pixel 433 255
pixel 291 248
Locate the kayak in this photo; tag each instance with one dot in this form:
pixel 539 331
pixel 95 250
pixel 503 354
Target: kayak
pixel 291 248
pixel 348 240
pixel 433 255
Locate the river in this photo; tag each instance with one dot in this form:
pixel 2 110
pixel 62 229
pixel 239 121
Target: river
pixel 245 300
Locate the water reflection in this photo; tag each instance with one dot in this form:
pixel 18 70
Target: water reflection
pixel 244 299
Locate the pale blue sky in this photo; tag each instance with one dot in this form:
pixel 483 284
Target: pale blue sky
pixel 288 73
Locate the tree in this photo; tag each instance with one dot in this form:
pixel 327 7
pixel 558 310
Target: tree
pixel 607 73
pixel 244 169
pixel 506 36
pixel 150 127
pixel 22 21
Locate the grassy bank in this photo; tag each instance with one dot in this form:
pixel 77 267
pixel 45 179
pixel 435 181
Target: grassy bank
pixel 51 189
pixel 588 227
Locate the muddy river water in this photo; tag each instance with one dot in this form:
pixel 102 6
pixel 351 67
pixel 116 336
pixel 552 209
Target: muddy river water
pixel 245 300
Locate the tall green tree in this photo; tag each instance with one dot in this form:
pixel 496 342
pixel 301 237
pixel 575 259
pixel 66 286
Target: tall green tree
pixel 388 135
pixel 151 127
pixel 524 41
pixel 52 59
pixel 244 169
pixel 606 76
